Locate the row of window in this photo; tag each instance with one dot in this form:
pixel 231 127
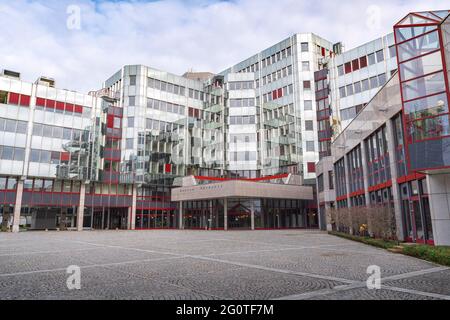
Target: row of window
pixel 61 107
pixel 364 61
pixel 165 86
pixel 364 85
pixel 277 75
pixel 243 156
pixel 8 183
pixel 238 120
pixel 280 55
pixel 11 153
pixel 240 103
pixel 160 125
pixel 350 113
pixel 252 68
pixel 279 93
pixel 240 85
pixel 14 126
pixel 165 106
pixel 43 130
pixel 52 157
pixel 15 98
pixel 243 138
pixel 195 94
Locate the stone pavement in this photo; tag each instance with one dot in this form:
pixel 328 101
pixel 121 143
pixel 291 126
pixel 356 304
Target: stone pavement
pixel 172 264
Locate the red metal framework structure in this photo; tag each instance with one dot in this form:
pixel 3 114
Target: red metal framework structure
pixel 423 52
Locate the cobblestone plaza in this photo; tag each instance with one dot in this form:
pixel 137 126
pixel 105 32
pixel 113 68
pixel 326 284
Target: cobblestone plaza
pixel 202 265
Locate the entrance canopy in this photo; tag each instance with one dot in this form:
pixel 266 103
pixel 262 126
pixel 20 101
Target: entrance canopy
pixel 242 189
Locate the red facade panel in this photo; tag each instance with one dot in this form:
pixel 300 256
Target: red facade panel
pixel 14 98
pixel 25 100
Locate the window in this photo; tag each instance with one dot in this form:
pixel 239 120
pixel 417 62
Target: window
pixel 330 180
pixel 382 79
pixel 308 105
pixel 132 80
pixel 3 97
pixel 348 67
pixel 22 127
pixel 380 55
pixel 130 122
pixel 342 92
pixel 355 64
pixel 132 101
pixel 363 62
pixel 357 86
pixel 341 70
pixel 310 146
pixel 10 125
pixel 57 132
pixel 311 167
pixel 306 85
pixel 305 46
pixel 372 60
pixel 374 82
pixel 392 51
pixel 365 85
pixel 309 126
pixel 350 89
pixel 7 153
pixel 305 66
pixel 129 144
pixel 47 131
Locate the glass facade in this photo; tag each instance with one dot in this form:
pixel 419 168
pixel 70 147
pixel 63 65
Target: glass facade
pixel 421 47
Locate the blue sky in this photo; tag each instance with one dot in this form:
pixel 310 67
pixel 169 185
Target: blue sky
pixel 175 35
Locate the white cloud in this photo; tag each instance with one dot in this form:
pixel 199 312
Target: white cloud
pixel 174 35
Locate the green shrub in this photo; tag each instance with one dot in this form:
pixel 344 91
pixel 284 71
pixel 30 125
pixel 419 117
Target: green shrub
pixel 440 255
pixel 380 243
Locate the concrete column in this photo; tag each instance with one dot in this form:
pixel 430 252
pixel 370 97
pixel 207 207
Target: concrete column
pixel 132 213
pixel 181 217
pixel 80 213
pixel 347 179
pixel 395 188
pixel 365 172
pixel 252 216
pixel 17 206
pixel 225 214
pixel 439 196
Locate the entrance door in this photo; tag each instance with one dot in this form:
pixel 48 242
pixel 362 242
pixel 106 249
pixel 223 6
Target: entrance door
pixel 239 217
pixel 417 220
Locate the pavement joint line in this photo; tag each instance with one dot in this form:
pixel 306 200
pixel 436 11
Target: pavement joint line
pixel 88 266
pixel 41 252
pixel 208 257
pixel 363 284
pixel 350 284
pixel 417 292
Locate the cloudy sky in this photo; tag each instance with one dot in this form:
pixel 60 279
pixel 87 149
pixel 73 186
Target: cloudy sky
pixel 47 38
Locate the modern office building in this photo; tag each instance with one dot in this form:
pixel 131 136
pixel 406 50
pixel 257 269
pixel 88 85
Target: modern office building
pixel 114 158
pixel 237 149
pixel 344 85
pixel 395 153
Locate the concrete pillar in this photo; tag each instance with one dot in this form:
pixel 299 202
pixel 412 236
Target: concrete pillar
pixel 181 217
pixel 225 214
pixel 439 196
pixel 395 188
pixel 132 212
pixel 80 213
pixel 347 179
pixel 17 206
pixel 365 172
pixel 252 216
